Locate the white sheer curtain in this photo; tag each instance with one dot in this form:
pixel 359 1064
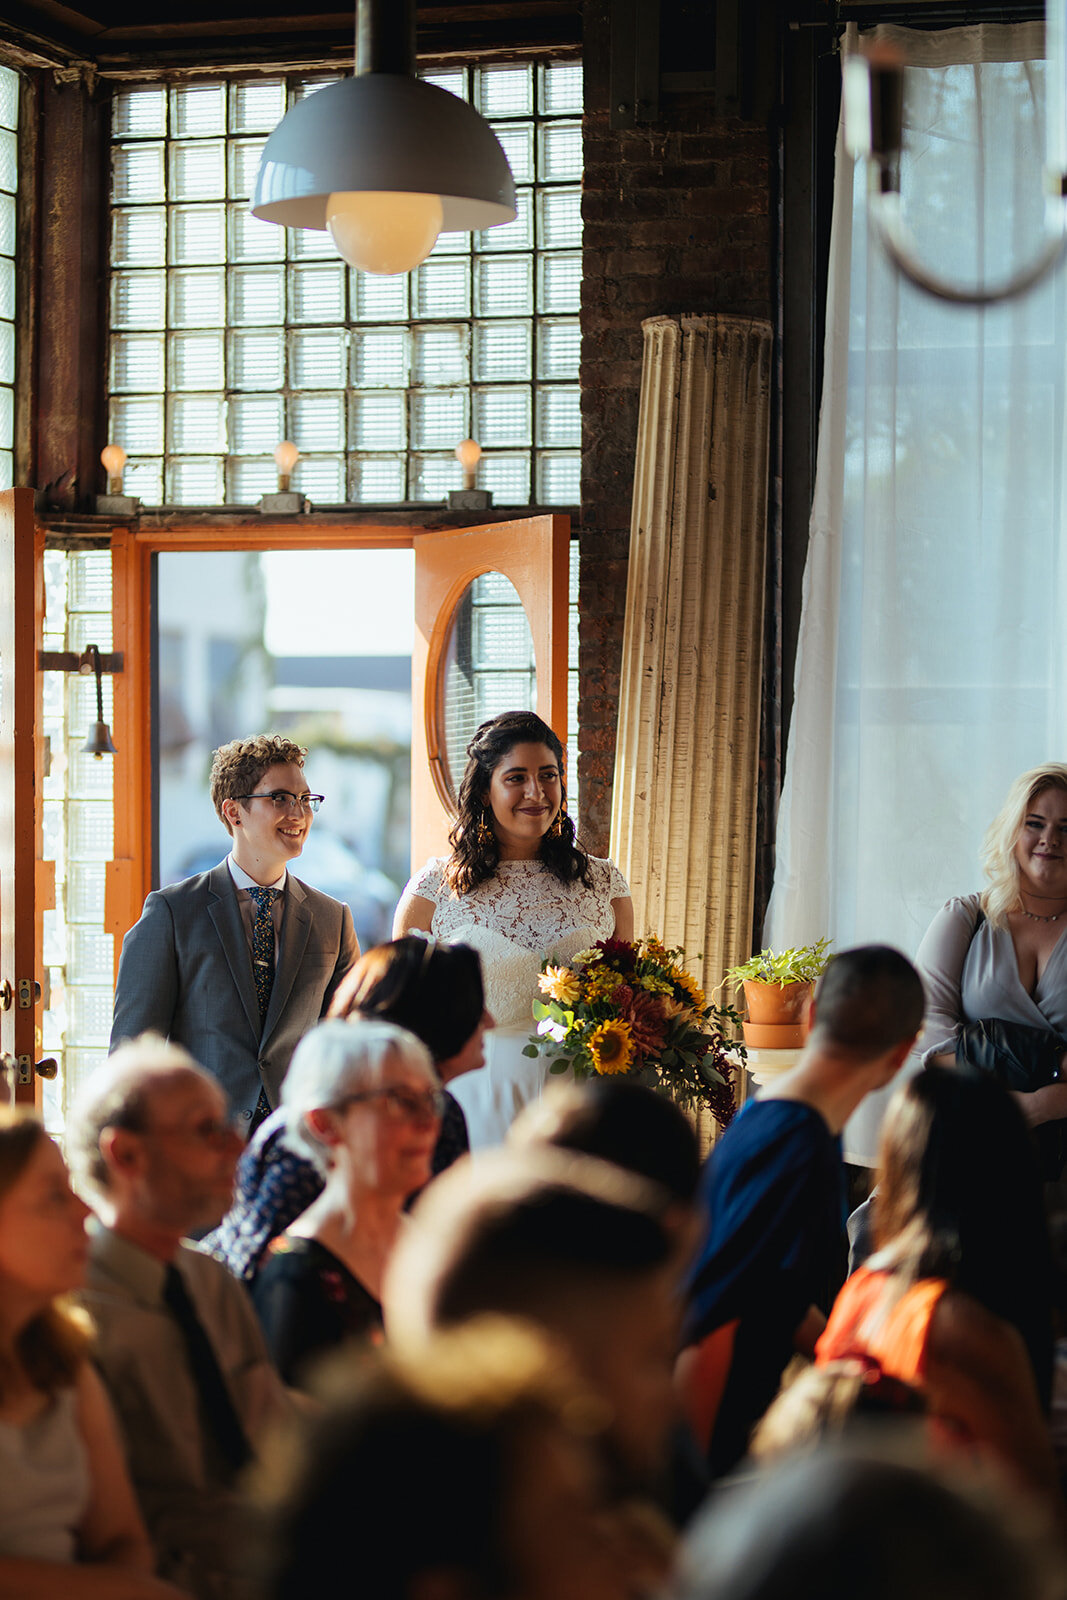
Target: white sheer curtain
pixel 932 664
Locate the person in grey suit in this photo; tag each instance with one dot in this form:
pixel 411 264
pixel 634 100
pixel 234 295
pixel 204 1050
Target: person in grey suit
pixel 236 964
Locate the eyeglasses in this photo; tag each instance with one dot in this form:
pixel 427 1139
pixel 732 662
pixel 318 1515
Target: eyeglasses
pixel 400 1105
pixel 215 1131
pixel 284 801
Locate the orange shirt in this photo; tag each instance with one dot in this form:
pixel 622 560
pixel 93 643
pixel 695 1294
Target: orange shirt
pixel 895 1337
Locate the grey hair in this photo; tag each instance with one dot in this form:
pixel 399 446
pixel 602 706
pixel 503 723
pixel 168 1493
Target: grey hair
pixel 338 1058
pixel 117 1095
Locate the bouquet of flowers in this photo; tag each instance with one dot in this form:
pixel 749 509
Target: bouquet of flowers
pixel 632 1008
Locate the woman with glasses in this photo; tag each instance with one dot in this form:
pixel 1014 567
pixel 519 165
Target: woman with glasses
pixel 434 990
pixel 363 1103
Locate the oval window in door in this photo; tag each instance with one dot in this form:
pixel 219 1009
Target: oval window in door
pixel 487 667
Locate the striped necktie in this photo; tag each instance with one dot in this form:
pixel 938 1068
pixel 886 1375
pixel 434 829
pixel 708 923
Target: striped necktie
pixel 263 946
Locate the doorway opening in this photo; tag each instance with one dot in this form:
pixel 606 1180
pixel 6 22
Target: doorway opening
pixel 312 644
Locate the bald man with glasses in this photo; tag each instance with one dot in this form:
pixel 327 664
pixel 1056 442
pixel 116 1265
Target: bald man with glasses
pixel 236 964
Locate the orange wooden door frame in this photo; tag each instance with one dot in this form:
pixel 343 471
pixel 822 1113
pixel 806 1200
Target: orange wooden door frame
pixel 27 885
pixel 533 552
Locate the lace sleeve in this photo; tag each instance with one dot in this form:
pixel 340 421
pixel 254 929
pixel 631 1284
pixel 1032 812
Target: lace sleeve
pixel 429 882
pixel 618 888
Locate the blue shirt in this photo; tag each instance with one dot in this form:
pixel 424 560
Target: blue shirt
pixel 772 1192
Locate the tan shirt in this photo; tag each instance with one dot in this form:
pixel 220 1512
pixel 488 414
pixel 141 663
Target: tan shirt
pixel 186 1492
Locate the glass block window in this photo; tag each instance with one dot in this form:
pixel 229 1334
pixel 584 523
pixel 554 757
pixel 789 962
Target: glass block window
pixel 78 830
pixel 228 334
pixel 9 178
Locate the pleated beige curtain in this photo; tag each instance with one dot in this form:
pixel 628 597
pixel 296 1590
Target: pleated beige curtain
pixel 684 808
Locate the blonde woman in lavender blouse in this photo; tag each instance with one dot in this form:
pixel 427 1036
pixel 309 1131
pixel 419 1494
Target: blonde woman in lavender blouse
pixel 520 889
pixel 1002 954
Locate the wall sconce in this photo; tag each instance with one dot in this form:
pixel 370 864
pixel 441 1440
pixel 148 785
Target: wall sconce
pixel 99 743
pixel 115 503
pixel 468 453
pixel 873 97
pixel 287 502
pixel 382 159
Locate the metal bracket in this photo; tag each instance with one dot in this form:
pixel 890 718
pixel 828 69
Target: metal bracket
pixel 24 1069
pixel 67 661
pixel 29 993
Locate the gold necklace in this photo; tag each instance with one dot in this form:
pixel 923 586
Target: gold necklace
pixel 1034 917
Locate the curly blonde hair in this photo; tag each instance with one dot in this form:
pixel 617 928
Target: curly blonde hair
pixel 237 767
pixel 998 847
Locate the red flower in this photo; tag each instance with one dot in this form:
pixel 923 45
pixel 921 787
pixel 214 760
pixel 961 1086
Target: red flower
pixel 618 954
pixel 648 1023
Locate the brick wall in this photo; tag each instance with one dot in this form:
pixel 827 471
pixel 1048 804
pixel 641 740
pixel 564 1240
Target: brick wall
pixel 677 218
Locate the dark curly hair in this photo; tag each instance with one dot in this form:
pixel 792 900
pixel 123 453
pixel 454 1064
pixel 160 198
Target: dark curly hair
pixel 475 850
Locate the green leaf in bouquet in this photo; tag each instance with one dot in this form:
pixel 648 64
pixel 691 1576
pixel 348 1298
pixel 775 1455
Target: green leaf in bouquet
pixel 531 1050
pixel 540 1011
pixel 559 1065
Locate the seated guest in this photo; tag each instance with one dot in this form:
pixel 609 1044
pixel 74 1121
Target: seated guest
pixel 633 1127
pixel 69 1522
pixel 179 1347
pixel 571 1244
pixel 957 1296
pixel 772 1194
pixel 364 1104
pixel 845 1523
pixel 465 1473
pixel 432 989
pixel 619 1121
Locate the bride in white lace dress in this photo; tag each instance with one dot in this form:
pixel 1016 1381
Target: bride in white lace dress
pixel 519 889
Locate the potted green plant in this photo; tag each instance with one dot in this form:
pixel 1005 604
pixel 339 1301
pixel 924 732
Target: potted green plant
pixel 777 987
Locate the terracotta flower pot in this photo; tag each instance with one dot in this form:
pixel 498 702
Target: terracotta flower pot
pixel 774 1035
pixel 776 1003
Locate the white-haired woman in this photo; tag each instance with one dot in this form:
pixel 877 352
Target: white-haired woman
pixel 365 1104
pixel 995 963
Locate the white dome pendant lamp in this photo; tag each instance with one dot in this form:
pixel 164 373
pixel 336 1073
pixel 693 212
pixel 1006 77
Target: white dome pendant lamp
pixel 383 160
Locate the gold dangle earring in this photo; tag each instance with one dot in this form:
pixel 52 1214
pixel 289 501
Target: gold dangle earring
pixel 557 821
pixel 484 832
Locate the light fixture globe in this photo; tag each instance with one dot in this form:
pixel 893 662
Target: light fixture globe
pixel 387 132
pixel 383 233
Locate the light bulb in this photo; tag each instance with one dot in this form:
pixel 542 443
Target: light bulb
pixel 384 233
pixel 113 459
pixel 286 456
pixel 468 453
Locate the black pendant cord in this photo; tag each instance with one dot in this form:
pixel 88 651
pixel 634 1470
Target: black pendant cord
pixel 95 653
pixel 385 36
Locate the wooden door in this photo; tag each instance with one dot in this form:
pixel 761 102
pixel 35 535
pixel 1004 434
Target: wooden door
pixel 533 553
pixel 21 773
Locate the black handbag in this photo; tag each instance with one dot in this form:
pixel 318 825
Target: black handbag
pixel 1022 1059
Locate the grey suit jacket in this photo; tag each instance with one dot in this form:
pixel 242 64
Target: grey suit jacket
pixel 186 972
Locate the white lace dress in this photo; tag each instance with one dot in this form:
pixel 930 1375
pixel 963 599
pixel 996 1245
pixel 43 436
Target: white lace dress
pixel 520 917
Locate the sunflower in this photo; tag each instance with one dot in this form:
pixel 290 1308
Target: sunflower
pixel 611 1048
pixel 690 988
pixel 561 985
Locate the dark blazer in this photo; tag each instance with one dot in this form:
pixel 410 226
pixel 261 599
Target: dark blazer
pixel 186 972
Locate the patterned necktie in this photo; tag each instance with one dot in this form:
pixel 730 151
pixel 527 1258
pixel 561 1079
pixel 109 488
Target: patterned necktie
pixel 263 946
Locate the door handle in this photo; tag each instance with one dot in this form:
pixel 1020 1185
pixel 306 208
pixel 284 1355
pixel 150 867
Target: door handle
pixel 7 995
pixel 48 1068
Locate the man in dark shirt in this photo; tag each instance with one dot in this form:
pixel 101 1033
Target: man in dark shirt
pixel 772 1192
